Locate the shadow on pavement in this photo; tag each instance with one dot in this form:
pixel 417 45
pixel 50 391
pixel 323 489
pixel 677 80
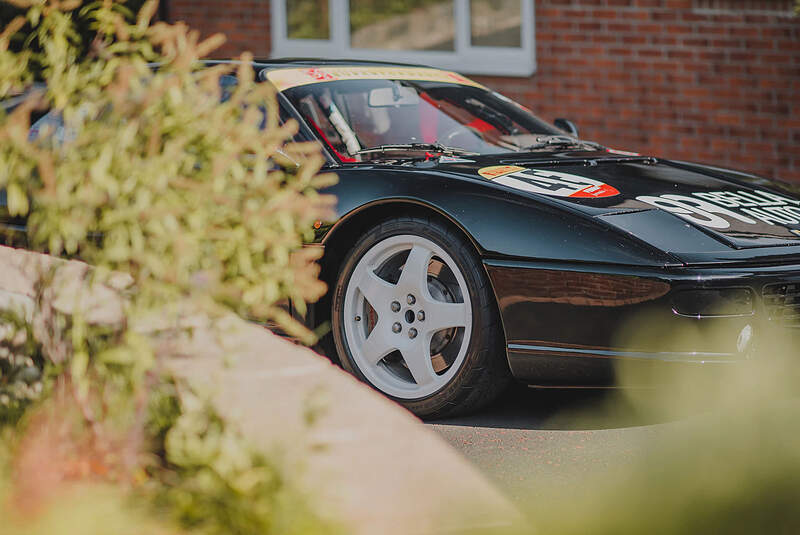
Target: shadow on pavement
pixel 565 409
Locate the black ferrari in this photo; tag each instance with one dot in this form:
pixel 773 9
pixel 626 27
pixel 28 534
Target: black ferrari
pixel 475 243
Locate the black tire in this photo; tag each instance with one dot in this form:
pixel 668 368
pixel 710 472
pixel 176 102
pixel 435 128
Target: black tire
pixel 484 372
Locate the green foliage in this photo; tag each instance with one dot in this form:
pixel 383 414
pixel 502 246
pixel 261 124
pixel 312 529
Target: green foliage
pixel 217 484
pixel 731 471
pixel 21 367
pixel 86 510
pixel 719 451
pixel 11 9
pixel 179 201
pixel 190 195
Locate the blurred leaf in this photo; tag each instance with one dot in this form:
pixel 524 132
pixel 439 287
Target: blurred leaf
pixel 149 174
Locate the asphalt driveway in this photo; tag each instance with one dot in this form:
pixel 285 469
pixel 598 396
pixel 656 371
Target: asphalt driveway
pixel 533 442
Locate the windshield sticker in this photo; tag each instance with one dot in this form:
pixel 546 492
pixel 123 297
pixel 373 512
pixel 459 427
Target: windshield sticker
pixel 552 183
pixel 716 209
pixel 284 79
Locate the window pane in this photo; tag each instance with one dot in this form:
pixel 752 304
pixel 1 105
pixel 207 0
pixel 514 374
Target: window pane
pixel 496 22
pixel 408 25
pixel 307 19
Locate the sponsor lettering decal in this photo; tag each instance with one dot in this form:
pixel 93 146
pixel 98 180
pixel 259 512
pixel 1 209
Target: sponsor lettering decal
pixel 319 75
pixel 284 79
pixel 552 183
pixel 717 209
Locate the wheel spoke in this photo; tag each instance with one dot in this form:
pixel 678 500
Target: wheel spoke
pixel 377 291
pixel 415 271
pixel 378 344
pixel 440 316
pixel 418 359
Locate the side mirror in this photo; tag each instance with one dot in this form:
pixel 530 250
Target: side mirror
pixel 567 126
pixel 286 159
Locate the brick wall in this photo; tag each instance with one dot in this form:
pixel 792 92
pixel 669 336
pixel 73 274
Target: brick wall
pixel 714 81
pixel 662 77
pixel 245 23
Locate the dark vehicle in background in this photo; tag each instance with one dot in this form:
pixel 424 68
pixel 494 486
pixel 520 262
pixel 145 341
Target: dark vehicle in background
pixel 475 243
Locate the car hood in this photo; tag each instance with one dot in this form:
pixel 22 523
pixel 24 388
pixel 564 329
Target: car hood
pixel 696 213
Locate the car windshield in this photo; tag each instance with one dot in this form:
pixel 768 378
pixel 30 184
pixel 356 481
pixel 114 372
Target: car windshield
pixel 363 120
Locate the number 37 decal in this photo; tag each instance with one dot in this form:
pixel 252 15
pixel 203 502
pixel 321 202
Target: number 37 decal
pixel 550 183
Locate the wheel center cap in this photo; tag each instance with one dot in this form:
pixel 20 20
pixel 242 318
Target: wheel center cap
pixel 410 316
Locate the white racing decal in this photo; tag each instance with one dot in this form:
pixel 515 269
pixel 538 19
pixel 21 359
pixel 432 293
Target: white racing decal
pixel 708 208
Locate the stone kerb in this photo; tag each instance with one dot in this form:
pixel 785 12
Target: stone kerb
pixel 365 461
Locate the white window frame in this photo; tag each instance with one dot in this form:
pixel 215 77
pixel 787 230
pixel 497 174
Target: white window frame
pixel 468 59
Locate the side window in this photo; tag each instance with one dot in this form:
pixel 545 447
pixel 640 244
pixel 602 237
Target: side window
pixel 284 115
pixel 227 83
pixel 50 123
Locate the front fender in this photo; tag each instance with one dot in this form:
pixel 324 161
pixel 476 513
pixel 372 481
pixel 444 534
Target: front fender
pixel 500 223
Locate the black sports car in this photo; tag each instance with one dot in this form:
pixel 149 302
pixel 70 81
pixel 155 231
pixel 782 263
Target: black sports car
pixel 475 242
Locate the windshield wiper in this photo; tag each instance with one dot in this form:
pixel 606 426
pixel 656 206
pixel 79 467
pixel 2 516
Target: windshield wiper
pixel 433 147
pixel 559 140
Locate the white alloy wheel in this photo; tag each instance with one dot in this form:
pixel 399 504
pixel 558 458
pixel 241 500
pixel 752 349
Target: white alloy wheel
pixel 407 316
